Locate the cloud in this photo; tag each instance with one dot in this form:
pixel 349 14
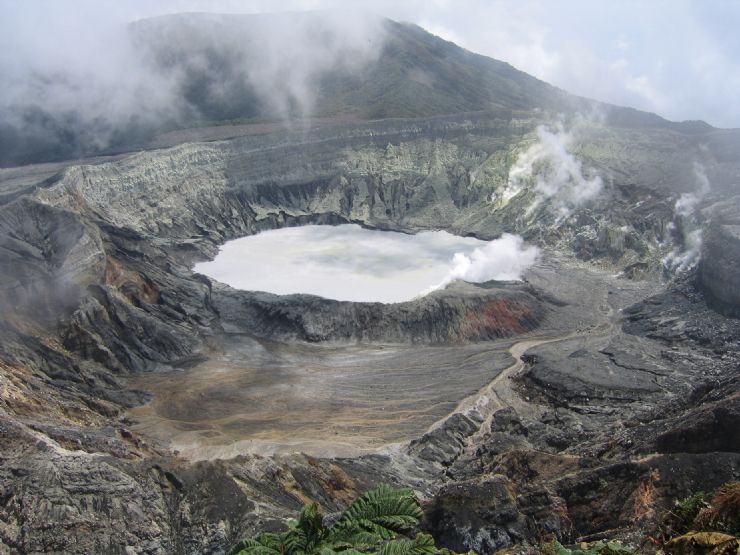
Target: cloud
pixel 277 58
pixel 504 259
pixel 553 173
pixel 74 84
pixel 71 64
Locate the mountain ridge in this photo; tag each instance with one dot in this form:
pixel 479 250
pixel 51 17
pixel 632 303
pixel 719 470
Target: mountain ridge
pixel 206 68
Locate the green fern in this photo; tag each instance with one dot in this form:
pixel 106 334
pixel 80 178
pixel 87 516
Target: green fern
pixel 422 544
pixel 264 544
pixel 309 532
pixel 374 522
pixel 384 512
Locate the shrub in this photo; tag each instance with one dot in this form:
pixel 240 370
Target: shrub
pixel 723 512
pixel 680 519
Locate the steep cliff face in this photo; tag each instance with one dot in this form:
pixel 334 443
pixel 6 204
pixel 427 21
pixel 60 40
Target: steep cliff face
pixel 720 265
pixel 458 314
pixel 49 256
pixel 455 173
pixel 720 260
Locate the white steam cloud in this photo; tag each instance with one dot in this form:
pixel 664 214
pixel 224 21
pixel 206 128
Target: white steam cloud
pixel 101 80
pixel 681 259
pixel 504 259
pixel 688 231
pixel 280 56
pixel 687 202
pixel 552 171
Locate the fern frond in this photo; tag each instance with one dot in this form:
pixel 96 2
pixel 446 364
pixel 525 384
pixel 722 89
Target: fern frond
pixel 310 529
pixel 264 544
pixel 383 511
pixel 295 542
pixel 346 538
pixel 422 544
pixel 377 516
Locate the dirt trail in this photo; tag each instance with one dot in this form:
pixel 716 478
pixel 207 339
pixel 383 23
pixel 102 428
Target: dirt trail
pixel 499 393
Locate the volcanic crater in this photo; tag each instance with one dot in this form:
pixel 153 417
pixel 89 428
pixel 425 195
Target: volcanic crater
pixel 147 407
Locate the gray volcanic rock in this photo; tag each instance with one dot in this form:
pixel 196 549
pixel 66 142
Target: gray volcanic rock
pixel 482 516
pixel 578 375
pixel 520 495
pixel 47 258
pixel 461 312
pixel 720 263
pixel 95 264
pixel 444 443
pixel 710 427
pixel 110 330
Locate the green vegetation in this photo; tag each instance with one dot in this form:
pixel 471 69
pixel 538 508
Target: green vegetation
pixel 699 524
pixel 598 548
pixel 384 521
pixel 680 518
pixel 379 521
pixel 723 512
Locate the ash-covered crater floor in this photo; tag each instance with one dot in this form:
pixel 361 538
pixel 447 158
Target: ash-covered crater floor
pixel 261 396
pixel 257 395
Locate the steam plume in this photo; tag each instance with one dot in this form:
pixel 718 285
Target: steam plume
pixel 687 228
pixel 555 175
pixel 505 259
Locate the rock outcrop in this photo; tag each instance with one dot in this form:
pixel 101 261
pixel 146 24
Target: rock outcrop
pixel 720 262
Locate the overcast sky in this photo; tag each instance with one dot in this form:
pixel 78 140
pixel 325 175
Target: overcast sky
pixel 679 58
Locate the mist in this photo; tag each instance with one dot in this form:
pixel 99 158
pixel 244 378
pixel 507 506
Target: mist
pixel 503 259
pixel 553 173
pixel 687 225
pixel 74 86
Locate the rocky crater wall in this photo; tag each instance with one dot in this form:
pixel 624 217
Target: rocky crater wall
pixel 720 262
pixel 140 222
pixel 96 271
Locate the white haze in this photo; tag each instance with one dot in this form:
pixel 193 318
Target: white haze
pixel 282 55
pixel 679 58
pixel 687 202
pixel 553 172
pixel 688 252
pixel 350 263
pixel 504 259
pixel 66 64
pixel 80 63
